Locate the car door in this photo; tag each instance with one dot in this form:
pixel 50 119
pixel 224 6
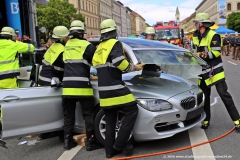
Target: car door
pixel 30 110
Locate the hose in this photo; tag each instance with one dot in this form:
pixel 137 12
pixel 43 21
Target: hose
pixel 174 150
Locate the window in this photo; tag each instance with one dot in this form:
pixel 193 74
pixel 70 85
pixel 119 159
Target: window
pixel 86 5
pixel 238 6
pixel 87 22
pixel 229 6
pixel 83 5
pixel 89 7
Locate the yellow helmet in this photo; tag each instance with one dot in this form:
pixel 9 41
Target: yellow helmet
pixel 77 25
pixel 202 17
pixel 107 26
pixel 7 31
pixel 60 32
pixel 150 30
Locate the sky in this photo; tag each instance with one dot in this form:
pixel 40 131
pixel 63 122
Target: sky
pixel 162 10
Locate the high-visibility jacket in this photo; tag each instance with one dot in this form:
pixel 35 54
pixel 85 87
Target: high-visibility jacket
pixel 77 57
pixel 9 63
pixel 215 73
pixel 53 65
pixel 110 62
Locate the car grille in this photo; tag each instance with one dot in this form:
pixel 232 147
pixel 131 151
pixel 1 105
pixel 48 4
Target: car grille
pixel 188 103
pixel 162 127
pixel 199 98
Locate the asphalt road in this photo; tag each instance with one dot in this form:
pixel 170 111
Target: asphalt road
pixel 225 148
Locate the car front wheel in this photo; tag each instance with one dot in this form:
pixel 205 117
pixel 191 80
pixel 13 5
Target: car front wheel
pixel 100 126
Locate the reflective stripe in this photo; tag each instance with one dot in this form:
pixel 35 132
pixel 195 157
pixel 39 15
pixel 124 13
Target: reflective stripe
pixel 10 61
pixel 45 79
pixel 206 49
pixel 215 78
pixel 58 68
pixel 45 62
pixel 78 91
pixel 9 72
pixel 210 55
pixel 108 64
pixel 208 70
pixel 124 65
pixel 75 79
pixel 29 48
pixel 118 59
pixel 216 48
pixel 109 88
pixel 117 100
pixel 78 61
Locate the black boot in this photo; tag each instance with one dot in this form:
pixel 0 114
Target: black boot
pixel 91 141
pixel 69 142
pixel 92 145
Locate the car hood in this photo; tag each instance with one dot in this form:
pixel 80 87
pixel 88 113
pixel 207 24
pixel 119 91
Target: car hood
pixel 156 85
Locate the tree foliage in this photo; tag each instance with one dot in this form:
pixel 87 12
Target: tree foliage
pixel 233 21
pixel 57 12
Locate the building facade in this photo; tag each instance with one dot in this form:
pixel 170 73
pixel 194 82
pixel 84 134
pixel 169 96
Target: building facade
pixel 190 26
pixel 128 22
pixel 116 16
pixel 105 9
pixel 123 19
pixel 90 10
pixel 140 23
pixel 133 21
pixel 211 7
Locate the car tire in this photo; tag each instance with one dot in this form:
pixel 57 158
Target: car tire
pixel 98 126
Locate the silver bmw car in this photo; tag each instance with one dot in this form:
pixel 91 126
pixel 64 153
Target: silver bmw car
pixel 167 104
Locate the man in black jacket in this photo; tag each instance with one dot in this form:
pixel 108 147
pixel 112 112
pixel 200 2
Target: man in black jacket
pixel 237 49
pixel 233 45
pixel 226 45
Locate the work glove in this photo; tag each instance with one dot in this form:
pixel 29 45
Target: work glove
pixel 203 55
pixel 139 67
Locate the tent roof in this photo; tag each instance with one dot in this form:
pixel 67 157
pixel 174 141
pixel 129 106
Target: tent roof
pixel 214 27
pixel 224 30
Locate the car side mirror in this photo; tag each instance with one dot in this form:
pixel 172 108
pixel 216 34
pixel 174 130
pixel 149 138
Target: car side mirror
pixel 55 82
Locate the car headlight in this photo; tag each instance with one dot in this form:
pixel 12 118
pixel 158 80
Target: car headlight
pixel 154 104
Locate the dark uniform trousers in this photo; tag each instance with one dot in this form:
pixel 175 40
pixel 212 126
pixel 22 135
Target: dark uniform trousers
pixel 130 115
pixel 221 88
pixel 88 112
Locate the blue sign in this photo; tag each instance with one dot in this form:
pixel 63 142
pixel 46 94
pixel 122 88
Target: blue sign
pixel 13 15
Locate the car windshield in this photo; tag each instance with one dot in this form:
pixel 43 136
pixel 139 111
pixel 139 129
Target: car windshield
pixel 164 33
pixel 178 63
pixel 167 57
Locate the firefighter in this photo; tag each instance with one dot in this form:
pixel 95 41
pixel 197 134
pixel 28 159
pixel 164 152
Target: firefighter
pixel 169 40
pixel 114 95
pixel 77 57
pixel 237 49
pixel 150 33
pixel 53 65
pixel 9 63
pixel 233 46
pixel 208 45
pixel 226 45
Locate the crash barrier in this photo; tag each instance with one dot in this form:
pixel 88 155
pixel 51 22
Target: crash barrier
pixel 175 150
